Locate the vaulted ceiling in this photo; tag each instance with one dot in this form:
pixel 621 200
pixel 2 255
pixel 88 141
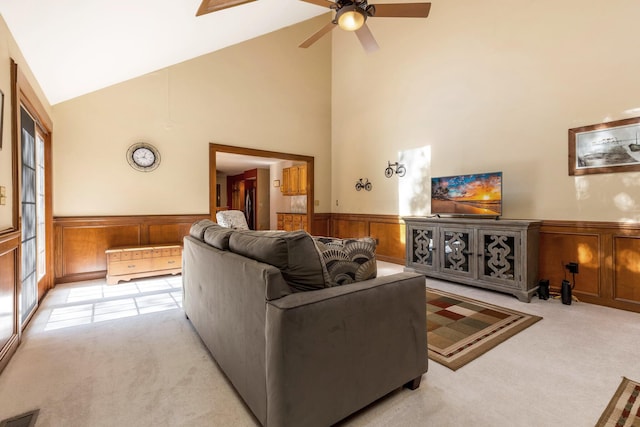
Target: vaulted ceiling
pixel 74 47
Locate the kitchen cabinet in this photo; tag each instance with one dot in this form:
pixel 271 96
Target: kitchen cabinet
pixel 294 181
pixel 292 221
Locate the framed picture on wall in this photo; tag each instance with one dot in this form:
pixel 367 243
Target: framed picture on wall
pixel 605 147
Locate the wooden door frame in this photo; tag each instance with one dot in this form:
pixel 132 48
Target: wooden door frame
pixel 219 148
pixel 24 96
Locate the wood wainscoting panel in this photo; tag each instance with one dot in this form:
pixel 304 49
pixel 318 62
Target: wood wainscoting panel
pixel 390 235
pixel 388 230
pixel 7 295
pixel 321 224
pixel 349 227
pixel 608 254
pixel 559 249
pixel 80 242
pixel 168 233
pixel 626 258
pixel 9 331
pixel 83 247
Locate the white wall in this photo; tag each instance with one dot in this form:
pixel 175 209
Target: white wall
pixel 10 50
pixel 488 86
pixel 265 93
pixel 280 203
pixel 479 86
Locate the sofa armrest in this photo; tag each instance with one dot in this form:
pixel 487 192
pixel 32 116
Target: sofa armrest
pixel 333 351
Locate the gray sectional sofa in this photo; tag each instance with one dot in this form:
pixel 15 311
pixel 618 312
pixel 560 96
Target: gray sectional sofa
pixel 300 350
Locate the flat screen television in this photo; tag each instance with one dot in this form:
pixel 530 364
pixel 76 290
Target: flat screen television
pixel 477 194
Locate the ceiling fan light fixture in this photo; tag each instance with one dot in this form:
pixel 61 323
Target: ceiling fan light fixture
pixel 350 18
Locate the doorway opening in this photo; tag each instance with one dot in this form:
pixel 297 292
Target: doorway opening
pixel 214 188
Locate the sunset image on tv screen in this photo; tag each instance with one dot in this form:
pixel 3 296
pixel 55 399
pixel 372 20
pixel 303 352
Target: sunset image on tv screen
pixel 479 194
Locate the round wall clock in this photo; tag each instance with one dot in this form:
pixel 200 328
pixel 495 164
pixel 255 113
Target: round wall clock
pixel 143 157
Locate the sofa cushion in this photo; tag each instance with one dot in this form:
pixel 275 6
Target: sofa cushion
pixel 293 253
pixel 348 260
pixel 199 227
pixel 218 237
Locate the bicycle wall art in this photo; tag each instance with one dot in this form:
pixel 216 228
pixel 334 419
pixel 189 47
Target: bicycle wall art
pixel 396 168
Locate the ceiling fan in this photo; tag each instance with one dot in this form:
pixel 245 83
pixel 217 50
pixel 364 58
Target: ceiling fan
pixel 208 6
pixel 351 15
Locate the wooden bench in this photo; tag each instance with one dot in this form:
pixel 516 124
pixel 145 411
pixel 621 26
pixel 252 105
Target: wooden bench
pixel 132 262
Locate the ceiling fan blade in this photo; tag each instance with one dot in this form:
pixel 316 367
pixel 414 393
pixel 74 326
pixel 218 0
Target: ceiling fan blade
pixel 209 6
pixel 366 39
pixel 323 3
pixel 402 10
pixel 316 36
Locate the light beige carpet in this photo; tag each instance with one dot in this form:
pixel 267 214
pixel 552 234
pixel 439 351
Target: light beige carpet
pixel 460 329
pixel 93 358
pixel 100 355
pixel 624 408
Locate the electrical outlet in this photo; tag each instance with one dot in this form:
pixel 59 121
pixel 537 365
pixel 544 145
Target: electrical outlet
pixel 3 191
pixel 3 200
pixel 572 267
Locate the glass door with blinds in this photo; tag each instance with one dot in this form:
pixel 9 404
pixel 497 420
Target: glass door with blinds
pixel 33 245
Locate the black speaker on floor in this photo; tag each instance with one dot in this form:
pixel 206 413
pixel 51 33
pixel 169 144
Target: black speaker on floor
pixel 565 292
pixel 543 289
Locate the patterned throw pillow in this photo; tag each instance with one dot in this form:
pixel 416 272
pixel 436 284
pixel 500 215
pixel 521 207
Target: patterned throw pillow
pixel 348 260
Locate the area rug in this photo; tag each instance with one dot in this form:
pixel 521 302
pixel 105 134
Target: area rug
pixel 624 407
pixel 460 329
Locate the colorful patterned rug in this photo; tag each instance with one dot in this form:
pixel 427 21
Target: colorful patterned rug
pixel 624 408
pixel 460 329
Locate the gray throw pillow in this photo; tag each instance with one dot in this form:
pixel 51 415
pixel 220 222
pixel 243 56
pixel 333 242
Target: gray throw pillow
pixel 348 260
pixel 293 253
pixel 199 227
pixel 218 237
